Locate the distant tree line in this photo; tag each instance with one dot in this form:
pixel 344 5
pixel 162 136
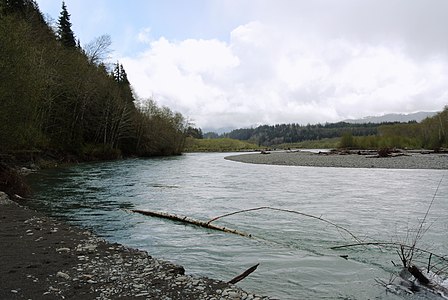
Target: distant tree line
pixel 58 96
pixel 271 135
pixel 431 133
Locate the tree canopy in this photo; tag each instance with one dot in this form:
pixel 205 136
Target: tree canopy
pixel 65 99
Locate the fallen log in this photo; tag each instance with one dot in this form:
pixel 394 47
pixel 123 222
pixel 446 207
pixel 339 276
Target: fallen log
pixel 185 219
pixel 243 275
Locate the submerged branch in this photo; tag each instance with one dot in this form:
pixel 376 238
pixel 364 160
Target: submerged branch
pixel 288 211
pixel 443 258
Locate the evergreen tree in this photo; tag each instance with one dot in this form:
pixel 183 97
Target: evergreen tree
pixel 116 73
pixel 124 76
pixel 120 75
pixel 66 35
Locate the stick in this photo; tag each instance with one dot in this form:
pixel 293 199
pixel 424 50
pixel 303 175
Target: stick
pixel 188 220
pixel 443 258
pixel 429 262
pixel 288 211
pixel 243 275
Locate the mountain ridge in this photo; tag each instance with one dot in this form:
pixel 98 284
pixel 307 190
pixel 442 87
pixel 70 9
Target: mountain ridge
pixel 393 117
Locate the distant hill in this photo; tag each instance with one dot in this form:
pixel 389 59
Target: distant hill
pixel 418 116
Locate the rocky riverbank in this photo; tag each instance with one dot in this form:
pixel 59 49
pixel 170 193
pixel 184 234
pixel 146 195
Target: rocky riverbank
pixel 407 160
pixel 43 258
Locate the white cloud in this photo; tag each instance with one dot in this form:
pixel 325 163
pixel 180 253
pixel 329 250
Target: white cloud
pixel 266 75
pixel 276 61
pixel 144 36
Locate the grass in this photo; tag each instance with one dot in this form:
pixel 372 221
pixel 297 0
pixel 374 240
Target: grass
pixel 218 145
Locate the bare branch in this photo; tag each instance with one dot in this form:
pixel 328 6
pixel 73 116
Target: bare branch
pixel 99 49
pixel 243 275
pixel 288 211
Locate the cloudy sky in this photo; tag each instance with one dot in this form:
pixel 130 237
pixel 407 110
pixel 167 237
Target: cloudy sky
pixel 241 63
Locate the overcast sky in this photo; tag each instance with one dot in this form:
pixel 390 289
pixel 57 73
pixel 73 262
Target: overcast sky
pixel 241 63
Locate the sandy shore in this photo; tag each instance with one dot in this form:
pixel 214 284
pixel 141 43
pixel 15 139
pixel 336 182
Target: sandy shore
pixel 42 258
pixel 303 158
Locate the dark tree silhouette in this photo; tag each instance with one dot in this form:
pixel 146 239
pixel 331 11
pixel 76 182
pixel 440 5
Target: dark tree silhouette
pixel 65 33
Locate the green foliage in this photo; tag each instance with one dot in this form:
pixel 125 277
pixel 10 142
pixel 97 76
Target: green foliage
pixel 20 90
pixel 431 133
pixel 57 98
pixel 270 136
pixel 160 131
pixel 347 140
pixel 434 131
pixel 194 132
pixel 218 145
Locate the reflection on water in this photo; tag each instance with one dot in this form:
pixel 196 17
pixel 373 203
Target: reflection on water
pixel 294 253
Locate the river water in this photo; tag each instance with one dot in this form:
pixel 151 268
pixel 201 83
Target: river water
pixel 296 262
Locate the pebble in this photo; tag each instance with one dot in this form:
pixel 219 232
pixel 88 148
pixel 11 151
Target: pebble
pixel 63 250
pixel 115 271
pixel 63 275
pixel 303 158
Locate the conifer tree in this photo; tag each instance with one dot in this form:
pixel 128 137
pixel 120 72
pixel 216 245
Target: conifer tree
pixel 65 33
pixel 120 75
pixel 124 76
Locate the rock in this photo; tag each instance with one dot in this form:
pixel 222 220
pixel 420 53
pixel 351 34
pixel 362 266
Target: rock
pixel 25 171
pixel 4 199
pixel 63 275
pixel 63 250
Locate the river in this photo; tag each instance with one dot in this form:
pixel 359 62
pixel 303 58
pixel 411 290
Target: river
pixel 296 262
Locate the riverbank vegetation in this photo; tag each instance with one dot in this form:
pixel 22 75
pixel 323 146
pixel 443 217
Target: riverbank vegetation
pixel 431 133
pixel 62 98
pixel 218 145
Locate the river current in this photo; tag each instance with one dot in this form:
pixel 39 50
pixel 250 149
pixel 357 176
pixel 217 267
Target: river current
pixel 294 251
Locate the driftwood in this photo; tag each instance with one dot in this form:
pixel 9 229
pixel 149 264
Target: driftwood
pixel 392 244
pixel 243 275
pixel 207 224
pixel 188 220
pixel 418 274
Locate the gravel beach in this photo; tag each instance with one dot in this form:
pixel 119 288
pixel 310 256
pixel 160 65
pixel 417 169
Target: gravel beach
pixel 42 258
pixel 309 159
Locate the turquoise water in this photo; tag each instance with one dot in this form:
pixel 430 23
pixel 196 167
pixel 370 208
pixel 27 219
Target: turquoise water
pixel 294 253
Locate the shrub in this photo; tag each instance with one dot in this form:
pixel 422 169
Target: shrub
pixel 12 183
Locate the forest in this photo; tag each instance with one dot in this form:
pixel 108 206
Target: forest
pixel 430 133
pixel 62 98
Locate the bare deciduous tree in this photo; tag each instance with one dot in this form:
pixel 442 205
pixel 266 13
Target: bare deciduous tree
pixel 98 50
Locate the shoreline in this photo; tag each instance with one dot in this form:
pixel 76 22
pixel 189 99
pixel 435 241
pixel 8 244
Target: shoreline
pixel 308 159
pixel 46 258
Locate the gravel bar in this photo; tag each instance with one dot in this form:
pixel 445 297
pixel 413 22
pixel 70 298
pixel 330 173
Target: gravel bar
pixel 42 258
pixel 322 159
